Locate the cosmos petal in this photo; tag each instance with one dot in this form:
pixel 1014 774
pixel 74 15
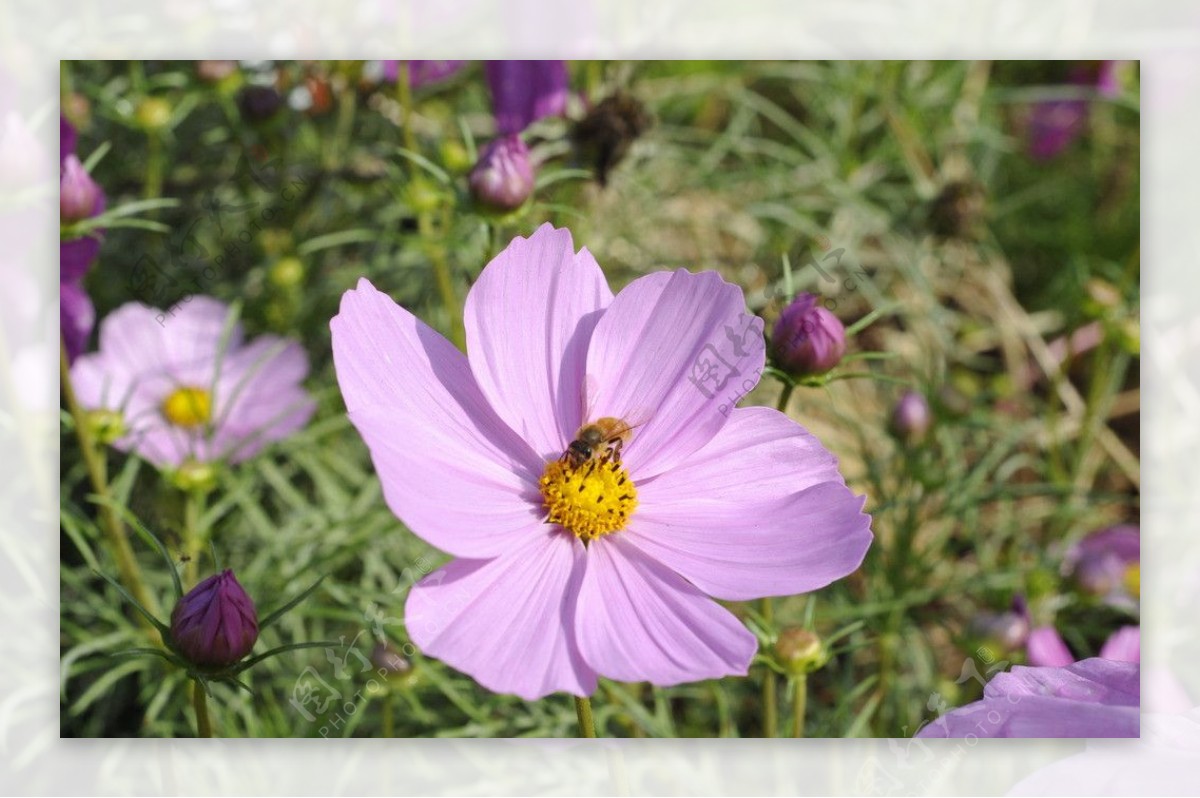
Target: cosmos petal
pixel 529 318
pixel 640 621
pixel 672 354
pixel 1046 647
pixel 450 468
pixel 507 622
pixel 1124 645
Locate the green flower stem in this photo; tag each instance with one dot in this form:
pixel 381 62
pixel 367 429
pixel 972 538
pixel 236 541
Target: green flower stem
pixel 404 95
pixel 583 710
pixel 127 567
pixel 769 687
pixel 769 697
pixel 154 165
pixel 200 705
pixel 799 704
pixel 193 535
pixel 389 723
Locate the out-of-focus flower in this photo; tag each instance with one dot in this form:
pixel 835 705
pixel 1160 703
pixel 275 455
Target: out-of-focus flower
pixel 911 417
pixel 389 662
pixel 1107 564
pixel 213 71
pixel 79 197
pixel 77 317
pixel 215 624
pixel 1008 630
pixel 1125 645
pixel 422 73
pixel 1054 124
pixel 577 562
pixel 502 178
pixel 1092 698
pixel 807 339
pixel 189 387
pixel 1046 648
pixel 259 103
pixel 526 91
pixel 153 114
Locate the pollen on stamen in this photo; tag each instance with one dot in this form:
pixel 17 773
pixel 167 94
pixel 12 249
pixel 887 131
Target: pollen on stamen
pixel 588 501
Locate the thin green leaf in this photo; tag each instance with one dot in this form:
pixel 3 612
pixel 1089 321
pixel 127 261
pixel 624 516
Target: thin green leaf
pixel 277 614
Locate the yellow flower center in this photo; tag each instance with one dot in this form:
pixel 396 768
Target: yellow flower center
pixel 188 407
pixel 592 500
pixel 1133 579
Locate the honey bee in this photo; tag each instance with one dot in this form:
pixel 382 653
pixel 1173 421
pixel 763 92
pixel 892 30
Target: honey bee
pixel 600 440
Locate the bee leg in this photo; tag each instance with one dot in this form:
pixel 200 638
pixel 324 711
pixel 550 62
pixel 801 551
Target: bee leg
pixel 615 449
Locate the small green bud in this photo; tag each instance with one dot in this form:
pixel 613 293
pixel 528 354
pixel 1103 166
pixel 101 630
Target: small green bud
pixel 154 113
pixel 286 273
pixel 106 426
pixel 195 476
pixel 800 651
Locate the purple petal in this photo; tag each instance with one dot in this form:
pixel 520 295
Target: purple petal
pixel 760 511
pixel 259 398
pixel 640 621
pixel 1092 698
pixel 77 316
pixel 450 468
pixel 1046 648
pixel 68 139
pixel 525 91
pixel 672 354
pixel 422 73
pixel 529 318
pixel 507 622
pixel 75 257
pixel 1053 125
pixel 1125 645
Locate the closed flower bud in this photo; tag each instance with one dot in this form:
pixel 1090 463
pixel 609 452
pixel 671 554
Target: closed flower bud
pixel 807 339
pixel 911 417
pixel 800 651
pixel 154 113
pixel 259 103
pixel 106 425
pixel 502 179
pixel 78 194
pixel 215 625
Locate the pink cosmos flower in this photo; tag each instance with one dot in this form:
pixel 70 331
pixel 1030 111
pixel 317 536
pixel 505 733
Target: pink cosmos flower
pixel 567 570
pixel 1046 648
pixel 189 388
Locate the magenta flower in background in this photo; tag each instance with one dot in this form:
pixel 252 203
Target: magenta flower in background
pixel 568 571
pixel 1107 564
pixel 1092 698
pixel 1046 648
pixel 502 179
pixel 76 256
pixel 80 198
pixel 526 91
pixel 77 317
pixel 1054 124
pixel 422 73
pixel 189 388
pixel 215 624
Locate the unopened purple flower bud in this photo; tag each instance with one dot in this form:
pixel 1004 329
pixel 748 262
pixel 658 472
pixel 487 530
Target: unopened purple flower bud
pixel 911 417
pixel 502 179
pixel 215 624
pixel 807 339
pixel 78 194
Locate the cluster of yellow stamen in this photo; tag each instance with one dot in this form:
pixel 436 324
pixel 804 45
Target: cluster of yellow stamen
pixel 188 407
pixel 590 500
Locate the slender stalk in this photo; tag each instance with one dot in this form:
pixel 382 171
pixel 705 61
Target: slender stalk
pixel 389 722
pixel 766 608
pixel 799 703
pixel 154 165
pixel 769 696
pixel 114 529
pixel 404 95
pixel 193 535
pixel 583 710
pixel 200 705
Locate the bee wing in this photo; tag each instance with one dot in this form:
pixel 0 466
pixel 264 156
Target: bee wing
pixel 591 391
